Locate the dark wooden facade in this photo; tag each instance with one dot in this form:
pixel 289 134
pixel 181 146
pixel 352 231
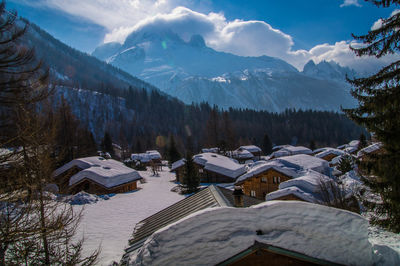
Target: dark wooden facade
pixel 263 254
pixel 92 187
pixel 204 175
pixel 260 185
pixel 289 197
pixel 329 157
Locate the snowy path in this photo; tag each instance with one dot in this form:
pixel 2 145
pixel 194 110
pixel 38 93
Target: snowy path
pixel 110 223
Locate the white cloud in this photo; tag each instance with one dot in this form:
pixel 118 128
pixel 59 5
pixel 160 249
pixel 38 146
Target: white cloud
pixel 245 38
pixel 350 3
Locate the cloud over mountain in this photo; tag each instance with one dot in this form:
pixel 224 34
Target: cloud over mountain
pixel 240 37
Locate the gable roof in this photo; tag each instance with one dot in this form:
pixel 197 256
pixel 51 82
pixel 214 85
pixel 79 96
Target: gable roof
pixel 212 196
pixel 178 164
pixel 108 173
pixel 251 148
pixel 264 166
pixel 369 149
pixel 219 164
pixel 287 150
pixel 306 162
pixel 329 151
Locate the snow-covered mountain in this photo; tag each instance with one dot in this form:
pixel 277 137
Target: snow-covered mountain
pixel 193 72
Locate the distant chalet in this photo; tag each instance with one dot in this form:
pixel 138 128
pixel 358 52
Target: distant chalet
pixel 211 168
pixel 95 175
pixel 264 177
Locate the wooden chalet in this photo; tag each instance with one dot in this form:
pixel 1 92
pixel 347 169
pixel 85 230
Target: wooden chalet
pixel 329 153
pixel 264 178
pixel 253 149
pixel 211 168
pixel 95 175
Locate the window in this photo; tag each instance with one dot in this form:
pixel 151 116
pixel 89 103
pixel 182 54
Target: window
pixel 264 179
pixel 274 179
pixel 252 193
pixel 200 170
pixel 279 179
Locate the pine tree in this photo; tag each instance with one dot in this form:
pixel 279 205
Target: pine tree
pixel 312 145
pixel 173 154
pixel 345 164
pixel 379 112
pixel 106 144
pixel 363 141
pixel 267 144
pixel 191 181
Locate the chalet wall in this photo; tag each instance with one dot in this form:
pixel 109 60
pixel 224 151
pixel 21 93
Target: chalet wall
pixel 289 197
pixel 260 185
pixel 265 257
pixel 94 188
pixel 204 175
pixel 62 180
pixel 329 157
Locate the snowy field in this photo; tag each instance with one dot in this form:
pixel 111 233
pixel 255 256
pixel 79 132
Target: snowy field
pixel 109 223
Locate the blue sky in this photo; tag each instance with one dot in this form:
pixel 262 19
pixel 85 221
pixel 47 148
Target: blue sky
pixel 293 30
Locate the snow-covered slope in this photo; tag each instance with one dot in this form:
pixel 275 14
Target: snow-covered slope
pixel 194 72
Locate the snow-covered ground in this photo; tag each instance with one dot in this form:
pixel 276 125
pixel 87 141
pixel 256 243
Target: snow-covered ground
pixel 109 223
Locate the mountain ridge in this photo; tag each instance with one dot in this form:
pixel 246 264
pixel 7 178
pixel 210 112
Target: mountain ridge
pixel 194 72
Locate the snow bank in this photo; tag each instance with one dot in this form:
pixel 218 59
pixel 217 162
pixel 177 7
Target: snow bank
pixel 214 235
pixel 81 198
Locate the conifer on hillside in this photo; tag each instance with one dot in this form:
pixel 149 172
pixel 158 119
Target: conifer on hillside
pixel 379 111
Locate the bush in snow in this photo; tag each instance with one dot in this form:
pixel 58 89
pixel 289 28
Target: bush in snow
pixel 82 198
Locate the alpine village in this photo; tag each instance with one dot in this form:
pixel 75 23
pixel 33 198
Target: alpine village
pixel 177 132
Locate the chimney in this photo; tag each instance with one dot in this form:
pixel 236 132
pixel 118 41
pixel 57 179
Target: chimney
pixel 238 196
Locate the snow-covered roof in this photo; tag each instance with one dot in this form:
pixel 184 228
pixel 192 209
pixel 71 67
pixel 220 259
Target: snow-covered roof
pixel 369 149
pixel 320 150
pixel 146 157
pixel 350 149
pixel 214 235
pixel 291 150
pixel 263 166
pixel 220 164
pixel 108 173
pixel 304 161
pixel 251 148
pixel 309 181
pixel 354 143
pixel 298 192
pixel 241 154
pixel 178 164
pixel 329 151
pixel 213 150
